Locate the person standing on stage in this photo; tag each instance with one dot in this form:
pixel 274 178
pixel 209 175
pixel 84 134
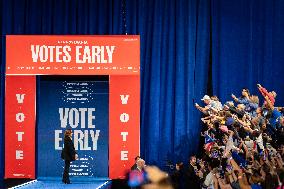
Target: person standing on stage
pixel 68 154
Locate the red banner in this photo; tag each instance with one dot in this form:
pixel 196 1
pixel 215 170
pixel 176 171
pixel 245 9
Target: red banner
pixel 124 126
pixel 72 55
pixel 20 127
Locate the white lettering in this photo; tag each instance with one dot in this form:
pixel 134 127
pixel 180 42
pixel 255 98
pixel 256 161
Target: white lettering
pixel 35 52
pixel 20 98
pixel 57 139
pixel 124 99
pixel 83 113
pixel 86 140
pixel 124 134
pixel 96 57
pixel 19 154
pixel 20 136
pixel 124 117
pixel 46 53
pixel 78 54
pixel 78 140
pixel 110 50
pixel 73 118
pixel 20 117
pixel 91 117
pixel 123 155
pixel 67 57
pixel 63 117
pixel 95 138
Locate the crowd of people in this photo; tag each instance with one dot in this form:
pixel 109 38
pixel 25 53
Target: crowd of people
pixel 243 148
pixel 244 145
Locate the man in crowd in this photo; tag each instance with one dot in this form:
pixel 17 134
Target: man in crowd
pixel 134 166
pixel 192 175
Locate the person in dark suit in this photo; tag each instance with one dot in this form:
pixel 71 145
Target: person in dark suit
pixel 68 154
pixel 176 176
pixel 133 167
pixel 192 179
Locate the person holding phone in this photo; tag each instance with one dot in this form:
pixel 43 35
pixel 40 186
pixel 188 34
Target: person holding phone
pixel 68 154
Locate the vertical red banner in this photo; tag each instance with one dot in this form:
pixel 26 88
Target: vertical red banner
pixel 20 127
pixel 124 125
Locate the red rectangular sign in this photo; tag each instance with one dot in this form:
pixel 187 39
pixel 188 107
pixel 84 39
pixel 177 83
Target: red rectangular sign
pixel 72 55
pixel 20 127
pixel 124 125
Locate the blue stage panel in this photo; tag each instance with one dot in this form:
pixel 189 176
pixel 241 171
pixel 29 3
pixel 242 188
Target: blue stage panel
pixel 80 104
pixel 56 183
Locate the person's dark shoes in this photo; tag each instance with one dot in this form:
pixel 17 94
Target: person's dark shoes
pixel 66 182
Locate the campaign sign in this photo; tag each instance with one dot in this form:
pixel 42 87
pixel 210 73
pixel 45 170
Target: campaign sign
pixel 82 105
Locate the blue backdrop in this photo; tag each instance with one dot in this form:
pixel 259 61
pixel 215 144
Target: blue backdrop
pixel 248 43
pixel 80 104
pixel 188 48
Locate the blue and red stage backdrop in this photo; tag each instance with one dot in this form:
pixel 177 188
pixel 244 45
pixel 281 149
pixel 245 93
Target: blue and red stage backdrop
pixel 82 106
pixel 115 56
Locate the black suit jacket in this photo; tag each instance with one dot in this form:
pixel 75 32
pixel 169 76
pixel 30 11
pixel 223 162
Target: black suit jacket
pixel 176 179
pixel 68 152
pixel 133 167
pixel 191 180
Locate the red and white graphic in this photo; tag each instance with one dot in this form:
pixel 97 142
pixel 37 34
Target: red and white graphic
pixel 124 125
pixel 72 55
pixel 20 127
pixel 117 56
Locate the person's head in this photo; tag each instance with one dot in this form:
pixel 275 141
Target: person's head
pixel 241 107
pixel 255 121
pixel 215 98
pixel 136 158
pixel 227 105
pixel 255 177
pixel 213 164
pixel 206 99
pixel 259 110
pixel 192 160
pixel 265 169
pixel 140 163
pixel 68 133
pixel 179 166
pixel 254 99
pixel 225 139
pixel 245 92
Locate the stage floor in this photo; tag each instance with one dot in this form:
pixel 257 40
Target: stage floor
pixel 51 183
